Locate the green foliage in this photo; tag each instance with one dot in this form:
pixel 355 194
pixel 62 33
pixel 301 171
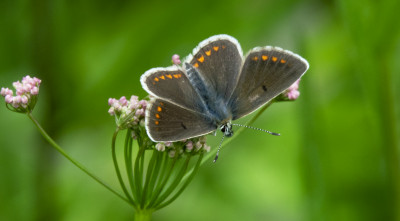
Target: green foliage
pixel 337 158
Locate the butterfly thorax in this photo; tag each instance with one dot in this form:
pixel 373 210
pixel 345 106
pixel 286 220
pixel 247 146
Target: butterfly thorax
pixel 215 105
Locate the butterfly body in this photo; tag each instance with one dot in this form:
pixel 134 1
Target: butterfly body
pixel 215 86
pixel 215 105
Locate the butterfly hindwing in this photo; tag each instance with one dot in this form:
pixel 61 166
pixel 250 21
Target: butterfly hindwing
pixel 166 121
pixel 266 73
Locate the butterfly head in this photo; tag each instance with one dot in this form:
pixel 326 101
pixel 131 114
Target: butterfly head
pixel 226 128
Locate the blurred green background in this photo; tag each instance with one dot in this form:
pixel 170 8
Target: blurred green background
pixel 337 158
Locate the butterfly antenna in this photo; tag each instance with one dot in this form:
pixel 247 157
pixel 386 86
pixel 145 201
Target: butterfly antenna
pixel 219 148
pixel 255 128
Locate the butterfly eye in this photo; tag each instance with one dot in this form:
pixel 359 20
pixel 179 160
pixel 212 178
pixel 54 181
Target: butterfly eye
pixel 223 128
pixel 227 130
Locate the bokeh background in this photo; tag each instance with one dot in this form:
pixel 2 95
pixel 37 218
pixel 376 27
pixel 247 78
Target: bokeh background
pixel 337 158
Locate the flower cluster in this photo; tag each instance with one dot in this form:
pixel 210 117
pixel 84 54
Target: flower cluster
pixel 26 94
pixel 127 112
pixel 185 146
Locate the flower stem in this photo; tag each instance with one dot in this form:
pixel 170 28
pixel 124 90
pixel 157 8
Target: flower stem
pixel 188 180
pixel 143 215
pixel 76 163
pixel 128 162
pixel 121 181
pixel 175 183
pixel 160 187
pixel 139 173
pixel 150 169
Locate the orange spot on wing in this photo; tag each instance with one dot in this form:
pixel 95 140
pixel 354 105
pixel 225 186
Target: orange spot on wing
pixel 156 122
pixel 161 103
pixel 177 75
pixel 208 53
pixel 215 48
pixel 157 116
pixel 156 79
pixel 283 61
pixel 274 58
pixel 169 76
pixel 159 109
pixel 196 65
pixel 223 46
pixel 255 58
pixel 264 57
pixel 162 77
pixel 201 59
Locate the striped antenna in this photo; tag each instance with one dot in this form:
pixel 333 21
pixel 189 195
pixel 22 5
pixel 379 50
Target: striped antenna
pixel 255 128
pixel 219 148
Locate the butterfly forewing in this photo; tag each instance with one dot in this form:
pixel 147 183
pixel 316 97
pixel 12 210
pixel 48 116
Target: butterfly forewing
pixel 173 85
pixel 266 73
pixel 166 121
pixel 218 59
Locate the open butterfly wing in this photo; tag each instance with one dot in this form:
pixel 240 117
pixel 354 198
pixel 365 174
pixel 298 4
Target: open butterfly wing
pixel 266 73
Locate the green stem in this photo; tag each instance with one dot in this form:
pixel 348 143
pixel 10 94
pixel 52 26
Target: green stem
pixel 150 168
pixel 143 215
pixel 76 163
pixel 188 180
pixel 161 176
pixel 121 181
pixel 138 174
pixel 175 183
pixel 128 162
pixel 155 174
pixel 163 183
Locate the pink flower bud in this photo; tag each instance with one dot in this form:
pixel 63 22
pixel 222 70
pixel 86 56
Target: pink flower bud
pixel 35 91
pixel 292 92
pixel 206 148
pixel 123 101
pixel 6 91
pixel 293 95
pixel 134 98
pixel 189 146
pixel 17 99
pixel 37 81
pixel 24 99
pixel 111 101
pixel 175 59
pixel 139 112
pixel 111 111
pixel 160 147
pixel 143 103
pixel 117 106
pixel 9 99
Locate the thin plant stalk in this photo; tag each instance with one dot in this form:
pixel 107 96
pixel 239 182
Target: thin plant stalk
pixel 188 180
pixel 73 161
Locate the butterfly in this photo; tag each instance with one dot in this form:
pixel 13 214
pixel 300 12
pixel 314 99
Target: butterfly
pixel 215 86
